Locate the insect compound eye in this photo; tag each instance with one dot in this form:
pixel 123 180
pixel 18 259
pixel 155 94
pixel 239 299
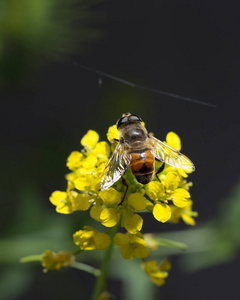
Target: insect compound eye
pixel 134 118
pixel 121 121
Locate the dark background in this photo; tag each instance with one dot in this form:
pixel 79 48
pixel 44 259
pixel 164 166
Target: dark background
pixel 48 102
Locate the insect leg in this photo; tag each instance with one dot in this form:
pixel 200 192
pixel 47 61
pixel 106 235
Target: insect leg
pixel 124 183
pixel 160 170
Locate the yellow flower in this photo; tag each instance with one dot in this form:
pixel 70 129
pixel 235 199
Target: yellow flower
pixel 90 139
pixel 96 210
pixel 113 133
pixel 54 261
pixel 62 202
pixel 110 217
pixel 162 212
pixel 102 149
pixel 89 239
pixel 154 190
pixel 131 245
pixel 74 160
pixel 110 196
pixel 185 213
pixel 82 202
pixel 180 197
pixel 131 221
pixel 173 140
pixel 171 181
pixel 157 273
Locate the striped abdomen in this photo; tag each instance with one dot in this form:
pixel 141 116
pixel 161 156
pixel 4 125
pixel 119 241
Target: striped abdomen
pixel 142 165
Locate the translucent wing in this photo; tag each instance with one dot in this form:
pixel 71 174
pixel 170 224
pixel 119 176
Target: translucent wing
pixel 117 165
pixel 171 156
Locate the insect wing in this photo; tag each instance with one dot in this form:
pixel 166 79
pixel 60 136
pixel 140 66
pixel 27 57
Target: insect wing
pixel 171 156
pixel 117 165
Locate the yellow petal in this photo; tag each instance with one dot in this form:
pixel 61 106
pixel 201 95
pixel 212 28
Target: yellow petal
pixel 113 133
pixel 102 240
pixel 89 162
pixel 121 239
pixel 81 182
pixel 109 217
pixel 150 266
pixel 162 212
pixel 84 239
pixel 141 251
pixel 57 197
pixel 95 212
pixel 110 196
pixel 171 181
pixel 74 160
pixel 133 223
pixel 81 202
pixel 165 265
pixel 102 148
pixel 173 140
pixel 188 219
pixel 158 278
pixel 90 139
pixel 137 201
pixel 127 251
pixel 180 197
pixel 154 190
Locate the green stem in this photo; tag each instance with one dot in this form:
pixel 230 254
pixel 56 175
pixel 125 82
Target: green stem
pixel 31 258
pixel 84 267
pixel 100 284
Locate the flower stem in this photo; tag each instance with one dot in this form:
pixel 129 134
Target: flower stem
pixel 86 268
pixel 100 284
pixel 31 258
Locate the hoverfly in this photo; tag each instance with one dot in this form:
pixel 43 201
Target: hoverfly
pixel 138 150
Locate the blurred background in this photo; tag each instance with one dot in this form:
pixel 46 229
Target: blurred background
pixel 48 102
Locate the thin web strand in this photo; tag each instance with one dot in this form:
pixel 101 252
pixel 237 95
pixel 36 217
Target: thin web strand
pixel 145 88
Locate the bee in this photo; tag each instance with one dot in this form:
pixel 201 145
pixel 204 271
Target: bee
pixel 139 150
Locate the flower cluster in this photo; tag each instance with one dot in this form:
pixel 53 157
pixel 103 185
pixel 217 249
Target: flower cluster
pixel 55 261
pixel 166 197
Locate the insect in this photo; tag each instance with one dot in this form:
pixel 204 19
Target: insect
pixel 138 150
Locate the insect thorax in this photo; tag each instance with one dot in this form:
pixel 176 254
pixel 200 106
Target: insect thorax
pixel 133 133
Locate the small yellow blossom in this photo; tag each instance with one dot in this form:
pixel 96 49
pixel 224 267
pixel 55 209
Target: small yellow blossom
pixel 162 212
pixel 157 273
pixel 81 202
pixel 154 189
pixel 62 202
pixel 113 133
pixel 110 217
pixel 90 139
pixel 89 239
pixel 185 213
pixel 102 149
pixel 171 181
pixel 96 210
pixel 110 196
pixel 173 140
pixel 55 261
pixel 136 201
pixel 180 197
pixel 74 160
pixel 131 245
pixel 132 221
